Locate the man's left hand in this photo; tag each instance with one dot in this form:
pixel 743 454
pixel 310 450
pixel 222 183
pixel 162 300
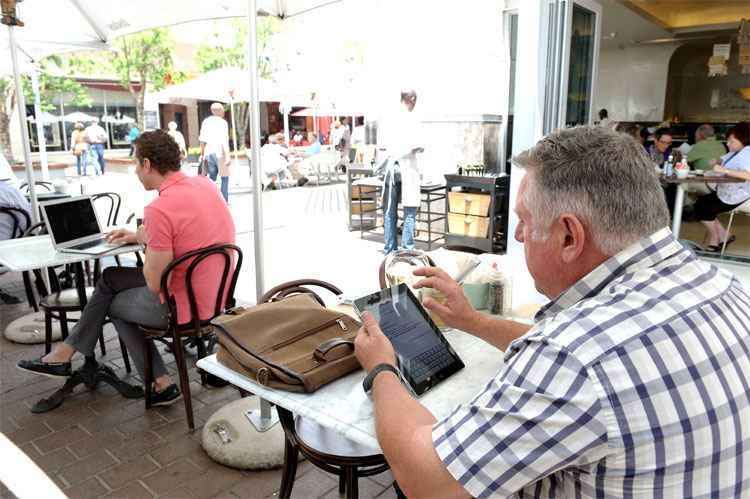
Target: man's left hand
pixel 371 346
pixel 720 169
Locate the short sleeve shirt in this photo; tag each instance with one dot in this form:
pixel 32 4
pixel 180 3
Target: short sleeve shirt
pixel 740 192
pixel 10 197
pixel 190 214
pixel 633 383
pixel 215 134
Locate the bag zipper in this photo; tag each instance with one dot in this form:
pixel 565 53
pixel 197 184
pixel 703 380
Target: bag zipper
pixel 314 330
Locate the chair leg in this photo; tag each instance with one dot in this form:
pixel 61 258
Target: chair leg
pixel 179 354
pixel 200 348
pixel 101 343
pixel 342 483
pixel 125 357
pixel 47 332
pixel 290 469
pixel 64 325
pixel 729 233
pixel 352 487
pixel 147 376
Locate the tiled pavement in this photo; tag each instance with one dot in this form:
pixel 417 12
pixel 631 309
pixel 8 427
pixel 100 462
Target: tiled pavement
pixel 98 444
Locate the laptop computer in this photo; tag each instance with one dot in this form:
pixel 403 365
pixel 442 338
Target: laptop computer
pixel 74 227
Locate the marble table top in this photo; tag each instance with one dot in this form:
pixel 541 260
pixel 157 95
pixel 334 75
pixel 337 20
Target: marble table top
pixel 29 253
pixel 344 407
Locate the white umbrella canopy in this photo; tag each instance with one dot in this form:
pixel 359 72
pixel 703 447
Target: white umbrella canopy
pixel 58 26
pixel 79 116
pixel 46 118
pixel 221 85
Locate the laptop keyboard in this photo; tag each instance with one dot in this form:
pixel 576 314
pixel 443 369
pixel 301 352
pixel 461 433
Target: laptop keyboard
pixel 90 244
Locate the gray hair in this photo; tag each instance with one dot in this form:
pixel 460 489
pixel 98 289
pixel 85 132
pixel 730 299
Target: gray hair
pixel 706 131
pixel 603 177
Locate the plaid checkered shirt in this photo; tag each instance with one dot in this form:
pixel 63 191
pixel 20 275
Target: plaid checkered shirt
pixel 635 382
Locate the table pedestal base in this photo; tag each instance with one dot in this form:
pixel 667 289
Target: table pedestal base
pixel 91 374
pixel 264 418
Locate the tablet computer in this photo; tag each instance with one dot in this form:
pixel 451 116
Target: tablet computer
pixel 424 356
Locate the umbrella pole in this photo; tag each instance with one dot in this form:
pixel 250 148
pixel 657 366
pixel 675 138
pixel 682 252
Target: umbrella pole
pixel 21 102
pixel 41 138
pixel 286 126
pixel 255 147
pixel 234 134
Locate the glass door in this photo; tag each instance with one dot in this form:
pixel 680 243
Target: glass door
pixel 572 61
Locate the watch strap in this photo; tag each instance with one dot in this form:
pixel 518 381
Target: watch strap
pixel 370 378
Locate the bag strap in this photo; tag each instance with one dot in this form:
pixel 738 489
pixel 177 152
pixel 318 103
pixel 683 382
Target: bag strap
pixel 283 369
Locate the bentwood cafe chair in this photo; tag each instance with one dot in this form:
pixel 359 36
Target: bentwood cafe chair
pixel 322 446
pixel 200 331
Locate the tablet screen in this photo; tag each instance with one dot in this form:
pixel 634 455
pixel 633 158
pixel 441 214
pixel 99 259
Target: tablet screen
pixel 425 357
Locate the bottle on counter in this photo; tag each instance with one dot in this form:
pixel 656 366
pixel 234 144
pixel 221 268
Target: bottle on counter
pixel 668 166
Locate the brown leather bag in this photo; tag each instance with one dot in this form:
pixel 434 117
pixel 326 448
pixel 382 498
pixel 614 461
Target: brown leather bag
pixel 294 344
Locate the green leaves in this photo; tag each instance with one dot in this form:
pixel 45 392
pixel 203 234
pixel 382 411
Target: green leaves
pixel 215 56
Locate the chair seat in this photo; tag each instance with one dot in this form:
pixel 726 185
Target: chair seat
pixel 65 300
pixel 329 441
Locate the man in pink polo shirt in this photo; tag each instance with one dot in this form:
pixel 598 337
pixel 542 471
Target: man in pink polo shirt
pixel 188 214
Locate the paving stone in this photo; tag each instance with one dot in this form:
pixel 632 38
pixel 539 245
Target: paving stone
pixel 133 490
pixel 171 477
pixel 176 449
pixel 119 475
pixel 91 488
pixel 55 460
pixel 104 440
pixel 316 483
pixel 385 478
pixel 368 489
pixel 80 471
pixel 212 482
pixel 257 484
pixel 60 438
pixel 29 433
pixel 137 445
pixel 388 493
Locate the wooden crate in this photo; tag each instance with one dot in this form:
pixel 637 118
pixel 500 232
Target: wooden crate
pixel 364 191
pixel 469 204
pixel 363 207
pixel 468 225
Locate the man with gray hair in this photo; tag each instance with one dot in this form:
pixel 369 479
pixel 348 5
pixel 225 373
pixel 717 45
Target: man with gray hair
pixel 214 139
pixel 705 149
pixel 633 380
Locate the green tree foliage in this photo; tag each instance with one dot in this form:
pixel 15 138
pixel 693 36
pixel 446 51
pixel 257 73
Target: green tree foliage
pixel 144 59
pixel 55 78
pixel 210 57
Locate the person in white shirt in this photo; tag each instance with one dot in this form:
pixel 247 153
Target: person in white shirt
pixel 177 137
pixel 214 139
pixel 275 161
pixel 96 136
pixel 12 225
pixel 402 178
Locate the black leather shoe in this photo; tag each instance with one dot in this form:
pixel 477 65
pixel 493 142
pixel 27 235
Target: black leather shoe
pixel 51 369
pixel 168 396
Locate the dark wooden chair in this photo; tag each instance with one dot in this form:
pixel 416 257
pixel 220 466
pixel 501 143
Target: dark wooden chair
pixel 322 446
pixel 24 187
pixel 197 329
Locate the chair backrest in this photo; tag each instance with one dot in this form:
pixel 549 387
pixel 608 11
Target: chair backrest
pixel 17 215
pixel 298 287
pixel 193 260
pixel 111 202
pixel 24 187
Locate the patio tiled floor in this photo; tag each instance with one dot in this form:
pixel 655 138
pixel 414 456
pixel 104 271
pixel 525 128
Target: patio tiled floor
pixel 98 444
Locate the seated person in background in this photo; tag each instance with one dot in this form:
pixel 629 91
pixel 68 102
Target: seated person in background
pixel 662 146
pixel 727 197
pixel 313 144
pixel 275 161
pixel 189 214
pixel 10 197
pixel 705 149
pixel 632 382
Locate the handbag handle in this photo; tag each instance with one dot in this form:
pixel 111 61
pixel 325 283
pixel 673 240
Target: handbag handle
pixel 321 353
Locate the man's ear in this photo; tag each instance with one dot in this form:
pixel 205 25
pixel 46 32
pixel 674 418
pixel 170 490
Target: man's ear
pixel 574 237
pixel 146 165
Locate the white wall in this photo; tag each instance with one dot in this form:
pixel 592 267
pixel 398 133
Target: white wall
pixel 632 82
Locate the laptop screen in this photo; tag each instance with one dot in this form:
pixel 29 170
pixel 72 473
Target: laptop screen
pixel 72 220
